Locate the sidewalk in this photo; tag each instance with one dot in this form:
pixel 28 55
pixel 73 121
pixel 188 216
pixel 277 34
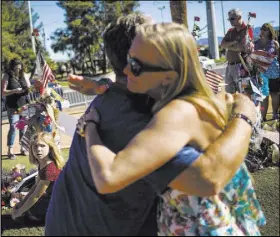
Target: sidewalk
pixel 65 139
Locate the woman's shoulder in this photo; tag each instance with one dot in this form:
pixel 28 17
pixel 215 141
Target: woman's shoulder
pixel 178 112
pixel 179 107
pixel 5 76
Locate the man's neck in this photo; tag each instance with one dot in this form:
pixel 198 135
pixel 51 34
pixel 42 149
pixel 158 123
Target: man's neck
pixel 239 27
pixel 121 82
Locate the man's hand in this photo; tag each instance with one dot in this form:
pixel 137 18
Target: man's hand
pixel 243 105
pixel 85 86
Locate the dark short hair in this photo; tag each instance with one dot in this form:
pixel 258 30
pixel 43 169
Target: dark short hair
pixel 272 34
pixel 118 37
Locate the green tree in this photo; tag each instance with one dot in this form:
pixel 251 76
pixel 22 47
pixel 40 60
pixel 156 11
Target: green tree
pixel 16 34
pixel 86 20
pixel 16 40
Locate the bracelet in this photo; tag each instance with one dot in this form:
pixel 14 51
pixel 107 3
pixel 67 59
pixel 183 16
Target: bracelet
pixel 244 117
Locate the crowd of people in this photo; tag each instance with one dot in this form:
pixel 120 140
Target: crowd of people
pixel 150 154
pixel 237 48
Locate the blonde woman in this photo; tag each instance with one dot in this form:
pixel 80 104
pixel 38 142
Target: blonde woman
pixel 43 152
pixel 163 61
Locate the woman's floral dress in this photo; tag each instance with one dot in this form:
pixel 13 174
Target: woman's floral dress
pixel 233 212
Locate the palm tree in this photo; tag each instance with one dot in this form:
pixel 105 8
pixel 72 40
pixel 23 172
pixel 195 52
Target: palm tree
pixel 179 12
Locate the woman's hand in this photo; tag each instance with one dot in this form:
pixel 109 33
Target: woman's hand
pixel 249 47
pixel 18 91
pixel 92 115
pixel 243 105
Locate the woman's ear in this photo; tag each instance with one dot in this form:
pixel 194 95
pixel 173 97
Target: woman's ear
pixel 170 77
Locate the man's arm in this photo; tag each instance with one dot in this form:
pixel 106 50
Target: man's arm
pixel 226 42
pixel 237 47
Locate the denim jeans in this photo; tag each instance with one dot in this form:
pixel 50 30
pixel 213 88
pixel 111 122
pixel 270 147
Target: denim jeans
pixel 13 118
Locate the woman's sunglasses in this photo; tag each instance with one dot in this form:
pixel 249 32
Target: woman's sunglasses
pixel 137 67
pixel 232 19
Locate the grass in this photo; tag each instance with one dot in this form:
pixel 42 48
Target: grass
pixel 266 183
pixel 267 186
pixel 221 60
pixel 63 83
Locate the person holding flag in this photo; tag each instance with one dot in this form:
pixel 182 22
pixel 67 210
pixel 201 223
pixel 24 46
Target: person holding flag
pixel 235 43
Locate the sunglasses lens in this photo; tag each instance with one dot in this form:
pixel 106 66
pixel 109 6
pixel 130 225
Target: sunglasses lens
pixel 134 67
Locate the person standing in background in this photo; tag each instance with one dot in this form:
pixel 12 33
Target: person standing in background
pixel 15 89
pixel 235 43
pixel 268 43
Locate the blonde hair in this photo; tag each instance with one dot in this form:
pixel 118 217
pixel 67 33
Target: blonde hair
pixel 54 154
pixel 178 52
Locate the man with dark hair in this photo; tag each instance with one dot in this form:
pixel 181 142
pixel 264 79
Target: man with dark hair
pixel 117 47
pixel 76 207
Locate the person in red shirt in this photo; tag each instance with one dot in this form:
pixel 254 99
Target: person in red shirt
pixel 44 153
pixel 236 44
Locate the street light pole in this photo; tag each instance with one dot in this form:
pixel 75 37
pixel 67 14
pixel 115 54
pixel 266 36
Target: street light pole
pixel 212 36
pixel 31 27
pixel 223 16
pixel 161 9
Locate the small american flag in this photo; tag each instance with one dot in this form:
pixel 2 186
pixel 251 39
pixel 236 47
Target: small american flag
pixel 43 70
pixel 214 80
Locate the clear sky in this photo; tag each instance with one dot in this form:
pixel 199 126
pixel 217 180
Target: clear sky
pixel 267 11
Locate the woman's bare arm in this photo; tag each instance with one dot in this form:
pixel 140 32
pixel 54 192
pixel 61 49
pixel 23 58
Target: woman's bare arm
pixel 163 137
pixel 5 91
pixel 40 188
pixel 205 177
pixel 210 173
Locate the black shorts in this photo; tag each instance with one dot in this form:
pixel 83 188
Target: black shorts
pixel 274 85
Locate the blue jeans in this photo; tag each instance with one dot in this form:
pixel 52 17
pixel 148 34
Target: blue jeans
pixel 13 118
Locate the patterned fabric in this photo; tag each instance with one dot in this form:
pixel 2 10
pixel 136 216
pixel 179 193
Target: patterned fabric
pixel 235 211
pixel 273 70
